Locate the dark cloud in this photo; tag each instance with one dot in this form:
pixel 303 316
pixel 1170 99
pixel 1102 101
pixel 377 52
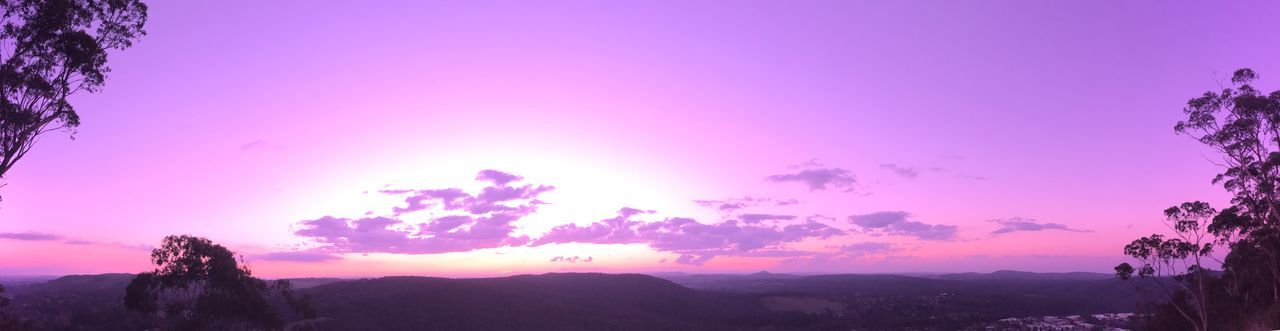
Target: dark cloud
pixel 469 222
pixel 695 242
pixel 299 256
pixel 900 170
pixel 818 179
pixel 29 236
pixel 896 223
pixel 1015 224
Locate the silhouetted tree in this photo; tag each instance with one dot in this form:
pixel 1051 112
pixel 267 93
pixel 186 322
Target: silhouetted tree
pixel 1242 124
pixel 50 50
pixel 1181 257
pixel 199 285
pixel 9 321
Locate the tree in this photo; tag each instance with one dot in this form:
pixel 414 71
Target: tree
pixel 1181 258
pixel 9 321
pixel 199 285
pixel 1242 124
pixel 50 50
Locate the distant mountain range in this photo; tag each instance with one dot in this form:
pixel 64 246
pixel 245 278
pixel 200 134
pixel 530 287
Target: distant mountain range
pixel 1024 275
pixel 669 301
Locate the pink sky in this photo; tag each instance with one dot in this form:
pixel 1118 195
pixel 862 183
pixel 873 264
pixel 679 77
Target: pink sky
pixel 245 122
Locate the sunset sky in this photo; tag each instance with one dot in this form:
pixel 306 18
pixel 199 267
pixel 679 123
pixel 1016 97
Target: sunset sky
pixel 477 138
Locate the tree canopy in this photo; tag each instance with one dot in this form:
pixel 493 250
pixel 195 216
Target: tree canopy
pixel 1242 124
pixel 50 50
pixel 200 285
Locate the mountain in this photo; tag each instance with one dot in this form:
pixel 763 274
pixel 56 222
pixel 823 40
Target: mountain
pixel 301 283
pixel 953 302
pixel 77 302
pixel 1023 275
pixel 11 281
pixel 594 301
pixel 559 301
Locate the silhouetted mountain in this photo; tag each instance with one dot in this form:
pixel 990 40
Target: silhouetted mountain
pixel 895 301
pixel 300 283
pixel 77 302
pixel 1011 274
pixel 589 301
pixel 573 301
pixel 24 280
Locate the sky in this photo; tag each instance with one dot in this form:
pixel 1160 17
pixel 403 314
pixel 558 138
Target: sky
pixel 483 138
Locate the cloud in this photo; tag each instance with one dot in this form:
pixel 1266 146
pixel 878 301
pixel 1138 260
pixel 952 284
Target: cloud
pixel 497 177
pixel 911 172
pixel 492 198
pixel 691 259
pixel 851 253
pixel 1015 224
pixel 616 230
pixel 571 259
pixel 299 256
pixel 866 248
pixel 733 205
pixel 818 179
pixel 43 236
pixel 695 242
pixel 973 177
pixel 253 145
pixel 757 218
pixel 896 223
pixel 904 171
pixel 465 222
pixel 29 236
pixel 391 235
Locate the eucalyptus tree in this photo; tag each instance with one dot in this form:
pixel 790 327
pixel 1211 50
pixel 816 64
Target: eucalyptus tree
pixel 1241 123
pixel 1181 257
pixel 49 51
pixel 200 285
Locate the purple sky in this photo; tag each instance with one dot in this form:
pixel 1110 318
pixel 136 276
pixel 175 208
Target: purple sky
pixel 323 139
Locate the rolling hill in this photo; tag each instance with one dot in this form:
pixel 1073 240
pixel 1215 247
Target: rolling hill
pixel 594 301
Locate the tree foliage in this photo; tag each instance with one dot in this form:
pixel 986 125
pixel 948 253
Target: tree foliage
pixel 50 50
pixel 200 285
pixel 1242 124
pixel 1181 257
pixel 9 321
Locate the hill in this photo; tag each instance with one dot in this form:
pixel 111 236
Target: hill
pixel 570 301
pixel 77 302
pixel 1023 275
pixel 942 302
pixel 593 301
